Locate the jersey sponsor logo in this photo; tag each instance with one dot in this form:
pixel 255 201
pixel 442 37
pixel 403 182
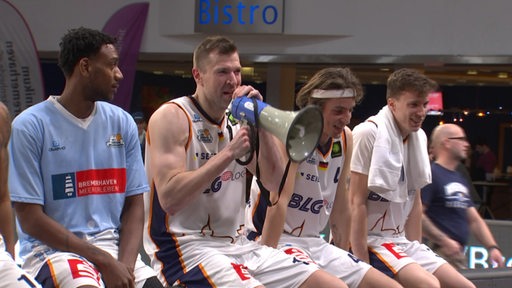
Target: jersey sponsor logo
pixel 310 177
pixel 336 149
pixel 88 182
pixel 337 175
pixel 115 141
pixel 328 205
pixel 298 254
pixel 308 204
pixel 242 271
pixel 56 146
pixel 224 177
pixel 205 155
pixel 196 118
pixel 82 269
pixel 232 119
pixel 311 160
pixel 204 136
pixel 395 250
pixel 353 257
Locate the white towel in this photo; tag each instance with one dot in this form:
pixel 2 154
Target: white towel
pixel 387 159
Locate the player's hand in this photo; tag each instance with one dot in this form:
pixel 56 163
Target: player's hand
pixel 118 275
pixel 241 144
pixel 247 90
pixel 450 247
pixel 496 257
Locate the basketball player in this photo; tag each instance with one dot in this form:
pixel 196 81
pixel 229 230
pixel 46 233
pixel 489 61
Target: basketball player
pixel 319 194
pixel 10 274
pixel 196 207
pixel 390 165
pixel 77 177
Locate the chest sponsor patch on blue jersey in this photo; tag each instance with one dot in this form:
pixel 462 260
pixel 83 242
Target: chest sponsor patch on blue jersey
pixel 115 141
pixel 88 182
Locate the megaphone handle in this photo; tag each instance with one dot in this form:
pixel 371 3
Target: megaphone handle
pixel 251 152
pixel 255 147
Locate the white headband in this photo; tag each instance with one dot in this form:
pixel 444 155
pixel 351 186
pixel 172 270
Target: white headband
pixel 343 93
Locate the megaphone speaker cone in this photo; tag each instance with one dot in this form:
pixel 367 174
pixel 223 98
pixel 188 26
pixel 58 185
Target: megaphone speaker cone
pixel 300 130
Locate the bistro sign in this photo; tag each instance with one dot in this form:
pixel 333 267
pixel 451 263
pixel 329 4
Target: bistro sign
pixel 239 17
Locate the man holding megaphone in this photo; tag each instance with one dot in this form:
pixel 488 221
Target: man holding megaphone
pixel 315 192
pixel 196 205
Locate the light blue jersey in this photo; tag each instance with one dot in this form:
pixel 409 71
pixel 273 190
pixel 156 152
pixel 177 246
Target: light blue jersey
pixel 80 170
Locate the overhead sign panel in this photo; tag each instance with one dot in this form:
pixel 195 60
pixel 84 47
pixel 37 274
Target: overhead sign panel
pixel 239 17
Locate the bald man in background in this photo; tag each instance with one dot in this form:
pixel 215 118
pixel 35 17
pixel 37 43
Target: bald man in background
pixel 449 215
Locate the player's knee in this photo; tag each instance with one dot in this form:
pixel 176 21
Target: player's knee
pixel 418 279
pixel 321 278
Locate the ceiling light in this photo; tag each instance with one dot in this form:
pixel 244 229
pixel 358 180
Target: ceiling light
pixel 158 72
pixel 472 72
pixel 503 75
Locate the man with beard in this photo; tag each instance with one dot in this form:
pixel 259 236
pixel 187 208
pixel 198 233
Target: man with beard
pixel 196 205
pixel 77 177
pixel 449 215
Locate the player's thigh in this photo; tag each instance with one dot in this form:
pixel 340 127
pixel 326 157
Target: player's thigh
pixel 12 276
pixel 450 277
pixel 68 270
pixel 340 263
pixel 374 278
pixel 220 271
pixel 414 276
pixel 275 268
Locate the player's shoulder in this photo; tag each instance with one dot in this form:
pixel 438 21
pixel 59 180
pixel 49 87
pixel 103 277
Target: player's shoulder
pixel 367 127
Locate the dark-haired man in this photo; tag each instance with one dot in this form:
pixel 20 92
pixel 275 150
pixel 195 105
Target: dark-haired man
pixel 77 177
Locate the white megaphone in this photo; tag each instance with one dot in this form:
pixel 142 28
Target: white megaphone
pixel 300 131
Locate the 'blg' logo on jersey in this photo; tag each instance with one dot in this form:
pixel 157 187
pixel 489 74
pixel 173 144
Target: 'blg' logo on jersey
pixel 88 182
pixel 298 201
pixel 226 176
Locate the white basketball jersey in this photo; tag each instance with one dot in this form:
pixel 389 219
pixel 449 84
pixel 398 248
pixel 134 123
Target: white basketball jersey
pixel 218 212
pixel 313 197
pixel 385 218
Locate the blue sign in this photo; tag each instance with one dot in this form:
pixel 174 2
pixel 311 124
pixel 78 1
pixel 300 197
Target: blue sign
pixel 237 17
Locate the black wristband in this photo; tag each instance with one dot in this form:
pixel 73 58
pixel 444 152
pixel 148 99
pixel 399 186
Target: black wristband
pixel 493 247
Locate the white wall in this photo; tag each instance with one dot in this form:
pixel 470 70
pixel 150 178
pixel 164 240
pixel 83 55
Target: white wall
pixel 461 30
